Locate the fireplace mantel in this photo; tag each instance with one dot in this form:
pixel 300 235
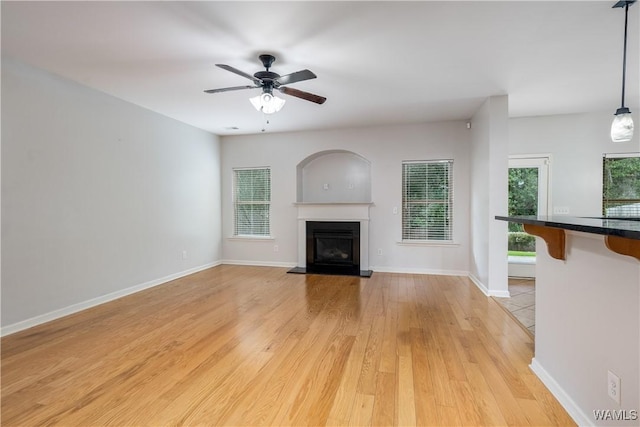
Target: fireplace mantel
pixel 340 211
pixel 333 211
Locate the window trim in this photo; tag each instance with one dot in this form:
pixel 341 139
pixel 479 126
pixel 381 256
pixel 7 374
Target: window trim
pixel 449 203
pixel 235 204
pixel 605 201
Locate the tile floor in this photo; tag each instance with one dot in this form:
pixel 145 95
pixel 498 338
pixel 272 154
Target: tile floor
pixel 522 302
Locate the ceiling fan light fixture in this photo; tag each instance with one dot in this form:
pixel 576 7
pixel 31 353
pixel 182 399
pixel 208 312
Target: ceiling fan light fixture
pixel 267 103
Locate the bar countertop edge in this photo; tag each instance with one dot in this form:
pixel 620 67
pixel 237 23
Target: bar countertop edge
pixel 629 228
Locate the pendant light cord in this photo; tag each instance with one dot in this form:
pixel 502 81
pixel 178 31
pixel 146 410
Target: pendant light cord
pixel 624 54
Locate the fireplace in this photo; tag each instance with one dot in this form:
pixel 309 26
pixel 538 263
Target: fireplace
pixel 347 222
pixel 333 247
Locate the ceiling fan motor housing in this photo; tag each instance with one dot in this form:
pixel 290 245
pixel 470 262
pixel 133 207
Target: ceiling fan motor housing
pixel 268 80
pixel 267 60
pixel 268 77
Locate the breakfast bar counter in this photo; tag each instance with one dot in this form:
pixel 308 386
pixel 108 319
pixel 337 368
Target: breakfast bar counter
pixel 587 310
pixel 621 235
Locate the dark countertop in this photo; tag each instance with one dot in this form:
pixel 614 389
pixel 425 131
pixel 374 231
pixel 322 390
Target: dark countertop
pixel 629 228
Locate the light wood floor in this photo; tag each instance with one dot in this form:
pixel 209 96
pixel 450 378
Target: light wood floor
pixel 236 345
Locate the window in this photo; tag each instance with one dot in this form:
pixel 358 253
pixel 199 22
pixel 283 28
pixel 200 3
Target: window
pixel 252 191
pixel 427 200
pixel 621 185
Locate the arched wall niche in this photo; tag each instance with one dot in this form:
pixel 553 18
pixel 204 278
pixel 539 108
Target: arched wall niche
pixel 334 176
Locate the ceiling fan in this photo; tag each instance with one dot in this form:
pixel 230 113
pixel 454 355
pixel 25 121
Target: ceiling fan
pixel 268 81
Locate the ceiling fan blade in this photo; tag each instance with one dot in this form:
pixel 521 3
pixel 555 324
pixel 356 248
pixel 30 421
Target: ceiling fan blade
pixel 227 89
pixel 303 95
pixel 298 76
pixel 240 73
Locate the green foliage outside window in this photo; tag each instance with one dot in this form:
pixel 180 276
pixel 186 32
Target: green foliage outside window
pixel 523 194
pixel 427 196
pixel 252 199
pixel 621 186
pixel 523 200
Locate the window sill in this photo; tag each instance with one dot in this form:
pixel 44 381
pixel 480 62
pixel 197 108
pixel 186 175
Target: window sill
pixel 427 243
pixel 252 238
pixel 529 260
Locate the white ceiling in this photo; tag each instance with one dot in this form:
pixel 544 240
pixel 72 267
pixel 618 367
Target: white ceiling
pixel 377 62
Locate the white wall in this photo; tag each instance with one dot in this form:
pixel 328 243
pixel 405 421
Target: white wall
pixel 587 323
pixel 99 197
pixel 334 177
pixel 576 143
pixel 489 171
pixel 385 148
pixel 587 316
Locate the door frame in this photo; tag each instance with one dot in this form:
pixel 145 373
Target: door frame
pixel 543 163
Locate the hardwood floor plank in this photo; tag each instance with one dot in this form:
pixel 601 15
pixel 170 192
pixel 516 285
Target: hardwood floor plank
pixel 384 402
pixel 371 360
pixel 281 394
pixel 483 398
pixel 362 410
pixel 243 345
pixel 448 416
pixel 247 403
pixel 346 392
pixel 502 361
pixel 533 412
pixel 499 386
pixel 321 386
pixel 405 402
pixel 468 413
pixel 291 392
pixel 548 404
pixel 426 411
pixel 389 340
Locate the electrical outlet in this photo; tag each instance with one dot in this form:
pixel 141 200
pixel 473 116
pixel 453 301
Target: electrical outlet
pixel 395 210
pixel 184 254
pixel 561 210
pixel 613 386
pixel 379 251
pixel 275 248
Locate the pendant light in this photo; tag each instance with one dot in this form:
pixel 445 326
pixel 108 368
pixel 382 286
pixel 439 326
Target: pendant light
pixel 622 126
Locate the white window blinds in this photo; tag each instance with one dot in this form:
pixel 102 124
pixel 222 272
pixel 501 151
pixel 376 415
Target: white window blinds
pixel 252 199
pixel 427 200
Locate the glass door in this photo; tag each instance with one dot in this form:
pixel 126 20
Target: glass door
pixel 528 195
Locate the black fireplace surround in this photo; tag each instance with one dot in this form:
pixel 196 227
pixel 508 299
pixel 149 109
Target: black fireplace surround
pixel 333 247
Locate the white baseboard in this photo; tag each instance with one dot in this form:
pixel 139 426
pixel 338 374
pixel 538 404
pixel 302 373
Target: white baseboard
pixel 479 284
pixel 418 271
pixel 563 397
pixel 499 294
pixel 259 263
pixel 373 268
pixel 485 290
pixel 524 270
pixel 56 314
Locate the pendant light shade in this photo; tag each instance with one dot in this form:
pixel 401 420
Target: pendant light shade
pixel 622 126
pixel 267 103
